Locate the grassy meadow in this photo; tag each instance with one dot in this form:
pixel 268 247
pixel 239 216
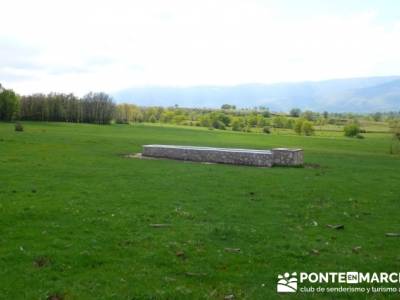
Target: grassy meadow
pixel 76 213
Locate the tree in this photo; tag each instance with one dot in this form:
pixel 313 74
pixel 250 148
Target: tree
pixel 167 116
pixel 303 126
pixel 178 119
pixel 153 119
pixel 261 121
pixel 264 111
pixel 307 128
pixel 217 124
pixel 326 115
pixel 238 124
pixel 93 108
pixel 396 131
pixel 125 113
pixel 219 120
pixel 298 126
pixel 351 130
pixel 289 123
pixel 98 108
pixel 252 120
pixel 9 104
pixel 228 107
pixel 266 130
pixel 205 121
pixel 395 145
pixel 308 115
pixel 377 116
pixel 278 122
pixel 295 112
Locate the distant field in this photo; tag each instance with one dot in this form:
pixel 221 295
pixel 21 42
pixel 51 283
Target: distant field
pixel 369 126
pixel 76 213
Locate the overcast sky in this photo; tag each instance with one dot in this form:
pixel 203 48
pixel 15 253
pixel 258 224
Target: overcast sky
pixel 78 46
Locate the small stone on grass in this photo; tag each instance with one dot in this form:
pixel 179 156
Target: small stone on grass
pixel 160 225
pixel 232 249
pixel 393 234
pixel 338 226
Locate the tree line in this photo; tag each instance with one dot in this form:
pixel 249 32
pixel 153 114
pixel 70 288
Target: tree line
pixel 98 108
pixel 95 108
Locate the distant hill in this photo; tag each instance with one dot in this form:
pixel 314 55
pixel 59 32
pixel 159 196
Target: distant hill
pixel 340 95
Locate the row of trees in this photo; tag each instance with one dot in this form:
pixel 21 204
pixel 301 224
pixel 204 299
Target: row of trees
pixel 244 119
pixel 340 117
pixel 224 118
pixel 99 108
pixel 96 108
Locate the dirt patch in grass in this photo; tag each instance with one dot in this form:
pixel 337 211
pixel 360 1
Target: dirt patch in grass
pixel 136 155
pixel 140 156
pixel 312 166
pixel 56 297
pixel 41 262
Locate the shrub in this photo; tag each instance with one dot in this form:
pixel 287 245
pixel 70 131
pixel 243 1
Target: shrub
pixel 395 145
pixel 295 112
pixel 308 115
pixel 237 124
pixel 19 127
pixel 217 124
pixel 351 130
pixel 262 122
pixel 307 128
pixel 395 126
pixel 279 122
pixel 205 121
pixel 298 125
pixel 302 126
pixel 266 129
pixel 290 123
pixel 152 119
pixel 228 106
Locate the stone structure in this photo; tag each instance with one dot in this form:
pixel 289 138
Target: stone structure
pixel 260 158
pixel 288 157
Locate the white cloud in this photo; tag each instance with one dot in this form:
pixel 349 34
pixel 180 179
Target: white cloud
pixel 108 45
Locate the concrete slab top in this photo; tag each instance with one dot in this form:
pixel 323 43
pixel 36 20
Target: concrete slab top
pixel 255 151
pixel 287 149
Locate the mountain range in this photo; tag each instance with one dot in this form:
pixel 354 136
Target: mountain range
pixel 359 95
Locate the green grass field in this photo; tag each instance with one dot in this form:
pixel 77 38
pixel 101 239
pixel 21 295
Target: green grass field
pixel 76 214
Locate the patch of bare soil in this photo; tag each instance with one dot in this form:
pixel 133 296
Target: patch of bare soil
pixel 140 156
pixel 41 262
pixel 312 166
pixel 136 155
pixel 55 297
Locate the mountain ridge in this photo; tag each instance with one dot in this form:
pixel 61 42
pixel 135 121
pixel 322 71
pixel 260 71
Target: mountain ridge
pixel 362 95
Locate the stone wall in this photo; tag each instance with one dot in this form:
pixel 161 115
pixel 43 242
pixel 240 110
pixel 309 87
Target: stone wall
pixel 288 157
pixel 207 154
pixel 260 158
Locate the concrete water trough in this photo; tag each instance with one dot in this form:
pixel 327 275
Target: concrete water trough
pixel 250 157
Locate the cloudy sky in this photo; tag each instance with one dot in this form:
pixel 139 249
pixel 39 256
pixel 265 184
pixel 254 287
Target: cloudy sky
pixel 78 46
